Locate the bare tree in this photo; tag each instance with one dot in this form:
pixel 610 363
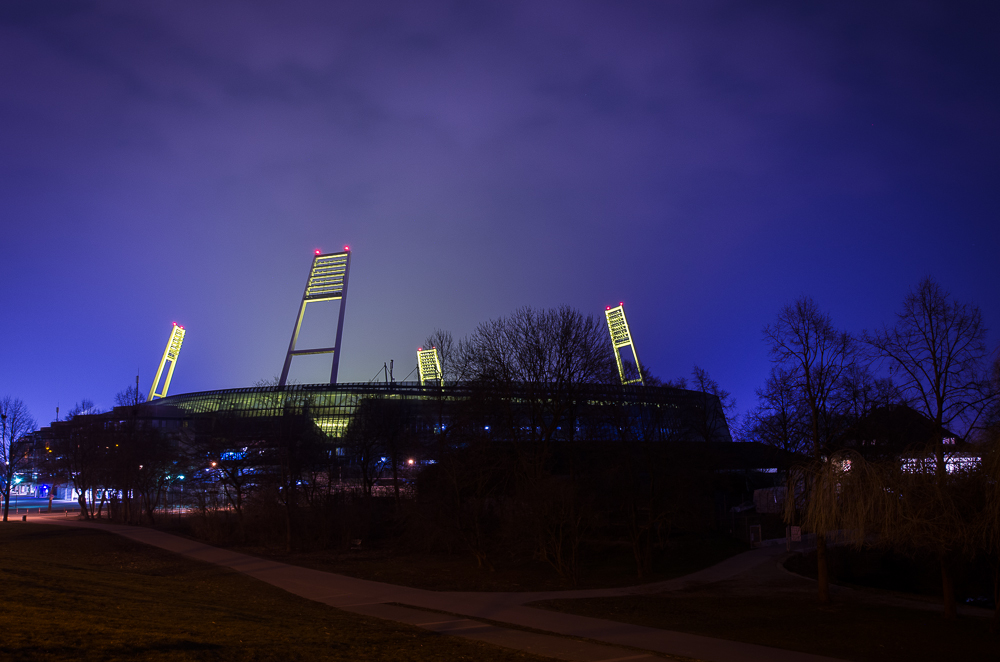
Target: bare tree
pixel 530 369
pixel 990 450
pixel 232 448
pixel 863 401
pixel 711 421
pixel 990 523
pixel 779 419
pixel 936 351
pixel 442 341
pixel 82 454
pixel 124 457
pixel 468 488
pixel 816 355
pixel 15 424
pixel 558 347
pixel 646 487
pixel 366 438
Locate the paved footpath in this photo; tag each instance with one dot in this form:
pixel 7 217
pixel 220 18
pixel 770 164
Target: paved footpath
pixel 456 613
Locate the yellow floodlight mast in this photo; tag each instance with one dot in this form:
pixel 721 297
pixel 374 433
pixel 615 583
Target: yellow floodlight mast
pixel 429 366
pixel 622 338
pixel 327 282
pixel 169 354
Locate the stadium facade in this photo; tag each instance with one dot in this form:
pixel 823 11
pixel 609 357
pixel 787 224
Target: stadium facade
pixel 593 411
pixel 632 410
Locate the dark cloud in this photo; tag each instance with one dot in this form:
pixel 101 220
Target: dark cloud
pixel 706 164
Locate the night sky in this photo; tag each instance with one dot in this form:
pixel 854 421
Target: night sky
pixel 706 163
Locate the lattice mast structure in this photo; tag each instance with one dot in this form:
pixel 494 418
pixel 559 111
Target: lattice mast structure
pixel 327 282
pixel 170 354
pixel 621 339
pixel 429 366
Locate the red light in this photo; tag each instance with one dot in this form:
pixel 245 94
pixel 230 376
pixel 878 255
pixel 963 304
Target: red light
pixel 182 327
pixel 420 349
pixel 607 308
pixel 175 323
pixel 347 248
pixel 621 303
pixel 317 251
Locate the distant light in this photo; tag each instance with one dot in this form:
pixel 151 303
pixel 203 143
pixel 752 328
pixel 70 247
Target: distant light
pixel 420 349
pixel 607 308
pixel 410 462
pixel 347 248
pixel 175 323
pixel 181 477
pixel 621 303
pixel 317 251
pixel 182 327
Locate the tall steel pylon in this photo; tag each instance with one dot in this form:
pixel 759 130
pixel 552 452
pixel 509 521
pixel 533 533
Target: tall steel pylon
pixel 621 338
pixel 169 354
pixel 327 282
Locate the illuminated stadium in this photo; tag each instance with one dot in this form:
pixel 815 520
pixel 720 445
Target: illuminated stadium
pixel 628 410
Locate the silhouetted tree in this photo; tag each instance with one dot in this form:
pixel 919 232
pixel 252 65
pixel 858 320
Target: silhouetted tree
pixel 130 436
pixel 365 440
pixel 83 454
pixel 937 351
pixel 231 453
pixel 779 418
pixel 804 342
pixel 529 370
pixel 15 424
pixel 291 446
pixel 862 400
pixel 442 341
pixel 710 420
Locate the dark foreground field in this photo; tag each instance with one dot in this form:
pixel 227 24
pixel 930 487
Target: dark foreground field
pixel 78 594
pixel 774 608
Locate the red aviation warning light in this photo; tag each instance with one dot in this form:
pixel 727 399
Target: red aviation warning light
pixel 317 251
pixel 347 249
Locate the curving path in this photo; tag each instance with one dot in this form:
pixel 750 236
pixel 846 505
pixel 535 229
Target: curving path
pixel 619 641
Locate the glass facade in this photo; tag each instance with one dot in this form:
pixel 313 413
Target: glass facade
pixel 332 407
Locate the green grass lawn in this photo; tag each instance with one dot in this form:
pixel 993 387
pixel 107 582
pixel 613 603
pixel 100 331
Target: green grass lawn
pixel 80 594
pixel 848 630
